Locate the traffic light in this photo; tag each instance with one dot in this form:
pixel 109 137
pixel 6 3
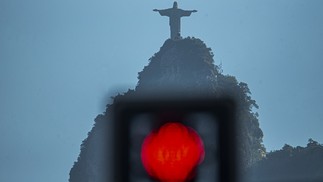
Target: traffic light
pixel 174 140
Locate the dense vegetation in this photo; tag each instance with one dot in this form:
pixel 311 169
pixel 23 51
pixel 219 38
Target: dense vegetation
pixel 187 66
pixel 291 164
pixel 183 66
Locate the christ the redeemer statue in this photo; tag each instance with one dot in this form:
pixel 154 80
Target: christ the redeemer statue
pixel 175 15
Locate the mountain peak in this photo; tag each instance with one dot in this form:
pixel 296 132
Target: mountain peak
pixel 183 63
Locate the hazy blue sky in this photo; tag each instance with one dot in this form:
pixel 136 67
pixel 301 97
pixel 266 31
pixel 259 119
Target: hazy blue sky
pixel 60 61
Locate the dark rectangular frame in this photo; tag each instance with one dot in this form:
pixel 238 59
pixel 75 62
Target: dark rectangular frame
pixel 125 108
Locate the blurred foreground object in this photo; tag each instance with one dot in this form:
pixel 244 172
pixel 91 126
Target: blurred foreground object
pixel 149 145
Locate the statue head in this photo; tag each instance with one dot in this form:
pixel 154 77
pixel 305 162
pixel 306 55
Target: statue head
pixel 175 5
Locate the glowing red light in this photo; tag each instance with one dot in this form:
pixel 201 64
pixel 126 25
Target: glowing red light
pixel 172 153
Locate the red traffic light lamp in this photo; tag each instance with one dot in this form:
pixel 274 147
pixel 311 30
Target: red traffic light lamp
pixel 172 153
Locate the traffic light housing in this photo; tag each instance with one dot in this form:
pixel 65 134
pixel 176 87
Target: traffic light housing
pixel 210 120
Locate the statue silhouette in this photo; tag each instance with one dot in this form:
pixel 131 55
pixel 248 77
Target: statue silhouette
pixel 175 15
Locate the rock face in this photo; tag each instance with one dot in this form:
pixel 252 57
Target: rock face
pixel 183 67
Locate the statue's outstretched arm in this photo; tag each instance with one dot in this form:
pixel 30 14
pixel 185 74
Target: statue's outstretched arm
pixel 187 12
pixel 163 12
